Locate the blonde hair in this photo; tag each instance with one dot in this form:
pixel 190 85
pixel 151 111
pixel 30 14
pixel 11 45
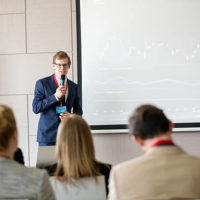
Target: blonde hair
pixel 61 55
pixel 75 150
pixel 7 126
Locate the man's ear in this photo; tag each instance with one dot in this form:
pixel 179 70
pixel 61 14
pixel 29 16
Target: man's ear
pixel 171 126
pixel 15 136
pixel 53 66
pixel 138 140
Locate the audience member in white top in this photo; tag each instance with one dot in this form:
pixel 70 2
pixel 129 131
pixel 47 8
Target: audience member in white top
pixel 17 181
pixel 77 165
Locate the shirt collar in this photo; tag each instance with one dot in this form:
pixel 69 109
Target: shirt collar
pixel 162 143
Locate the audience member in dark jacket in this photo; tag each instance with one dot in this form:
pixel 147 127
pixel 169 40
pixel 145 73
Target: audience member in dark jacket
pixel 18 156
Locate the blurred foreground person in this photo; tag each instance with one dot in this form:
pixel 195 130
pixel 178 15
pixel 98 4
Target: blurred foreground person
pixel 17 181
pixel 77 171
pixel 165 171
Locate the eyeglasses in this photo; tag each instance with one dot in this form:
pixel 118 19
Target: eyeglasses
pixel 60 65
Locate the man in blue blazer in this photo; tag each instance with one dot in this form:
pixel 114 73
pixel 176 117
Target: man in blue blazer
pixel 54 100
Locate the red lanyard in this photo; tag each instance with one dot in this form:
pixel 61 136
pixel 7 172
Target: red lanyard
pixel 162 142
pixel 54 76
pixel 5 156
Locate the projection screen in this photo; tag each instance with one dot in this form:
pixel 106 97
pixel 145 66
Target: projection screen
pixel 136 52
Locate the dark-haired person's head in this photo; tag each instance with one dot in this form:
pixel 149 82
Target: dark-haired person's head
pixel 149 122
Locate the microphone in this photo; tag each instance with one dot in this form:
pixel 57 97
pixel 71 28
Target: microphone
pixel 62 81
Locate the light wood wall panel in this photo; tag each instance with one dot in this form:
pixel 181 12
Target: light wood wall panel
pixel 48 25
pixel 70 72
pixel 12 6
pixel 74 39
pixel 20 72
pixel 33 118
pixel 19 105
pixel 115 148
pixel 12 34
pixel 73 5
pixel 33 150
pixel 189 141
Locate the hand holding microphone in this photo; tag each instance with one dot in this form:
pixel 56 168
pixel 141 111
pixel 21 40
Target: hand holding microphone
pixel 60 92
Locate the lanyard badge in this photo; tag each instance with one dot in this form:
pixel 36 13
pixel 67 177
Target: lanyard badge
pixel 62 108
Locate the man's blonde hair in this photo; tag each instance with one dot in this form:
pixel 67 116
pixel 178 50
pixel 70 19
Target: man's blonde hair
pixel 61 55
pixel 7 126
pixel 75 150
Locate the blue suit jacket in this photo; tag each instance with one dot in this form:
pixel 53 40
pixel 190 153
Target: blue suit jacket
pixel 45 103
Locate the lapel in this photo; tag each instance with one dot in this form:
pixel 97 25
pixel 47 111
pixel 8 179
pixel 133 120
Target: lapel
pixel 52 83
pixel 69 91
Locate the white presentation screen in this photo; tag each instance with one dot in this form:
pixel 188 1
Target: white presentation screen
pixel 140 52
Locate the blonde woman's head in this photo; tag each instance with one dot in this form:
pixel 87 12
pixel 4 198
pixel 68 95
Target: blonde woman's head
pixel 7 127
pixel 75 149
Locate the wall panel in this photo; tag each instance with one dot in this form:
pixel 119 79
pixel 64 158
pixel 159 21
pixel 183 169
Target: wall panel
pixel 12 43
pixel 12 6
pixel 73 5
pixel 33 150
pixel 33 118
pixel 20 72
pixel 48 25
pixel 115 148
pixel 74 39
pixel 189 141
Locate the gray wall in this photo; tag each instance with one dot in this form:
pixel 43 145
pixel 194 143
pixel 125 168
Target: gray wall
pixel 115 148
pixel 31 32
